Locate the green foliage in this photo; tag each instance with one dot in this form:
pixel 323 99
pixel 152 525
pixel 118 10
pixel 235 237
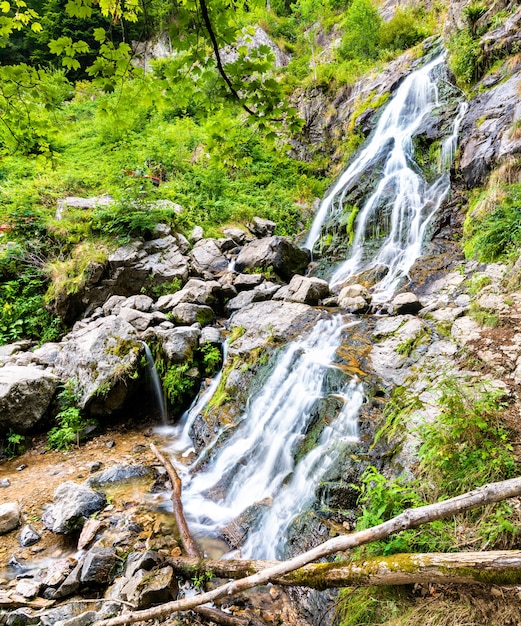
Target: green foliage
pixel 484 317
pixel 13 444
pixel 212 358
pixel 362 24
pixel 465 58
pixel 477 282
pixel 177 384
pixel 70 424
pixel 496 234
pixel 467 446
pixel 404 30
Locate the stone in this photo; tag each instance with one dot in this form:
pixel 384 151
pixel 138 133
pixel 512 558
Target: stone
pixel 207 259
pixel 139 320
pixel 83 619
pixel 238 235
pixel 211 335
pixel 72 505
pixel 179 344
pixel 102 355
pixel 113 305
pixel 267 321
pixel 141 560
pixel 88 532
pixel 465 329
pixel 405 303
pixel 140 302
pixel 119 474
pixel 308 290
pixel 357 304
pixel 243 282
pixel 267 289
pixel 277 253
pixel 81 203
pixel 25 396
pixel 243 299
pixel 195 291
pixel 187 313
pixel 9 517
pixel 97 566
pixel 28 536
pixel 354 291
pixel 197 234
pixel 261 227
pixel 57 572
pixel 147 588
pixel 28 587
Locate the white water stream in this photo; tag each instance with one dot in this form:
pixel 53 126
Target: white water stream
pixel 403 202
pixel 258 456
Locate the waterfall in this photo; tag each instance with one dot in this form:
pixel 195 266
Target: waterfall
pixel 258 456
pixel 156 383
pixel 403 202
pixel 268 539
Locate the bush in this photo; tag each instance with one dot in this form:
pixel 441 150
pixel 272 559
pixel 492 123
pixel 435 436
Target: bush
pixel 362 26
pixel 403 31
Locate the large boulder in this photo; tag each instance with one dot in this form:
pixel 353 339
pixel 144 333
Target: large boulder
pixel 195 291
pixel 25 395
pixel 178 344
pixel 277 253
pixel 9 517
pixel 308 290
pixel 264 322
pixel 207 259
pixel 72 505
pixel 101 356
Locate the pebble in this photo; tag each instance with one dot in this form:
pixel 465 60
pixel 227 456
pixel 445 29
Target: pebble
pixel 21 467
pixel 5 482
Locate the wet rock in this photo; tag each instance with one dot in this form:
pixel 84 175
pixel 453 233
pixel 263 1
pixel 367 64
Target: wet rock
pixel 261 227
pixel 72 505
pixel 25 395
pixel 89 532
pixel 97 566
pixel 98 355
pixel 9 517
pixel 405 303
pixel 187 313
pixel 270 321
pixel 118 474
pixel 141 560
pixel 278 253
pixel 353 305
pixel 147 588
pixel 57 572
pixel 28 536
pixel 207 259
pixel 306 290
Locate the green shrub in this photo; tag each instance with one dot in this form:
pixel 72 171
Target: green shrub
pixel 403 31
pixel 465 60
pixel 362 24
pixel 497 234
pixel 71 425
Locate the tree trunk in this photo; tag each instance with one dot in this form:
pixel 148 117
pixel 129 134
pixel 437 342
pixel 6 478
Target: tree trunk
pixel 498 568
pixel 412 518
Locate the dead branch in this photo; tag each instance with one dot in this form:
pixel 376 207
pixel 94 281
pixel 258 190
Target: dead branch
pixel 189 545
pixel 412 518
pixel 498 568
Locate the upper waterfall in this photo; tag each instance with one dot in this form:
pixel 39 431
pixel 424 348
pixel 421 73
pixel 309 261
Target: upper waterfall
pixel 402 203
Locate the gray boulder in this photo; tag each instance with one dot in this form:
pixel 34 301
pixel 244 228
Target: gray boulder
pixel 265 322
pixel 207 259
pixel 25 395
pixel 277 253
pixel 195 291
pixel 187 313
pixel 97 566
pixel 72 505
pixel 261 227
pixel 243 299
pixel 101 356
pixel 405 303
pixel 147 588
pixel 28 536
pixel 307 290
pixel 178 344
pixel 9 517
pixel 118 474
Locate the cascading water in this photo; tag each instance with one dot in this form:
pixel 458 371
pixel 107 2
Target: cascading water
pixel 259 455
pixel 156 383
pixel 267 541
pixel 403 203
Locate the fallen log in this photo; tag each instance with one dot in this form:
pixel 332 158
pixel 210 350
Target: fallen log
pixel 189 545
pixel 501 567
pixel 412 518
